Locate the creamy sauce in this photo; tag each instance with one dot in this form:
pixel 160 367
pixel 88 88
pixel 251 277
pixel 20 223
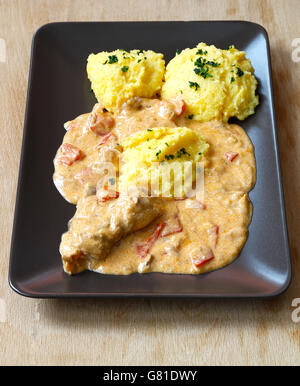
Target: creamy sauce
pixel 107 236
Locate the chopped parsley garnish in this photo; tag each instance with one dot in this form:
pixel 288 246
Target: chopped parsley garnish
pixel 191 116
pixel 230 47
pixel 212 63
pixel 140 52
pixel 105 62
pixel 239 72
pixel 232 79
pixel 178 51
pixel 203 72
pixel 170 156
pixel 139 60
pixel 179 153
pixel 124 68
pixel 166 143
pixel 148 139
pixel 202 67
pixel 91 90
pixel 201 52
pixel 194 85
pixel 112 59
pixel 181 92
pixel 158 153
pixel 112 181
pixel 200 153
pixel 149 130
pixel 183 151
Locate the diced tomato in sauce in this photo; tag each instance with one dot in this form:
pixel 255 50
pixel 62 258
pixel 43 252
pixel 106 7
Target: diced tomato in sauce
pixel 172 226
pixel 144 248
pixel 203 259
pixel 104 196
pixel 215 232
pixel 104 140
pixel 230 155
pixel 101 123
pixel 69 154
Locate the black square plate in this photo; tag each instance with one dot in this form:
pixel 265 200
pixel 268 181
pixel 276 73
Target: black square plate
pixel 59 90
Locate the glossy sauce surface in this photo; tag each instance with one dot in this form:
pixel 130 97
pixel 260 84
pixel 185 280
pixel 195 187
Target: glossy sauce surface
pixel 118 236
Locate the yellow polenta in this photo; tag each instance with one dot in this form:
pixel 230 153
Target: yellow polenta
pixel 162 157
pixel 214 83
pixel 119 75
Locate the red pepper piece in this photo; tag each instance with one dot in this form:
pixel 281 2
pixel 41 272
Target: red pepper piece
pixel 69 154
pixel 231 155
pixel 104 140
pixel 203 259
pixel 173 226
pixel 144 248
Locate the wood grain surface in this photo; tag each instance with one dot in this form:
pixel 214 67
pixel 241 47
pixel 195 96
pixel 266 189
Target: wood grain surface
pixel 147 332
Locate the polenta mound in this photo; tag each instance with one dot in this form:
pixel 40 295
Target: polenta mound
pixel 214 83
pixel 120 75
pixel 162 158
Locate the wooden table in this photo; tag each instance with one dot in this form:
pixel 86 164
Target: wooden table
pixel 148 332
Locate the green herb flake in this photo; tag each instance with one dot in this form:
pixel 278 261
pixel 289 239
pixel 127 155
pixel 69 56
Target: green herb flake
pixel 170 156
pixel 191 116
pixel 112 59
pixel 194 85
pixel 149 130
pixel 140 52
pixel 183 151
pixel 232 79
pixel 178 51
pixel 166 143
pixel 124 68
pixel 239 72
pixel 212 63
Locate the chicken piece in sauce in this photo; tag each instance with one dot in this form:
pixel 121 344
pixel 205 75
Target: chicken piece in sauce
pixel 97 226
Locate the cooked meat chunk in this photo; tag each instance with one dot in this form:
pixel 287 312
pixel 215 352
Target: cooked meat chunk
pixel 97 226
